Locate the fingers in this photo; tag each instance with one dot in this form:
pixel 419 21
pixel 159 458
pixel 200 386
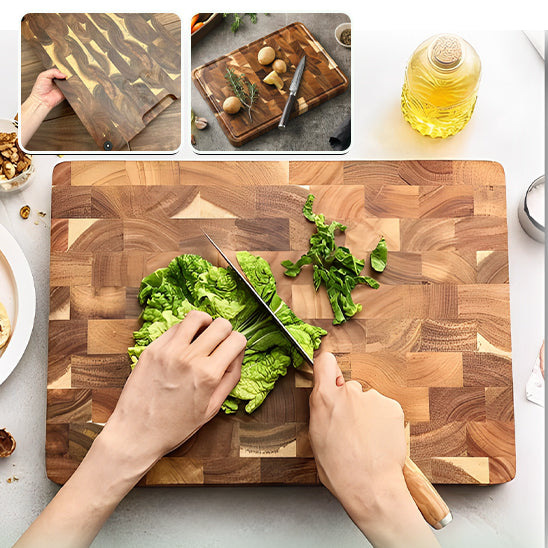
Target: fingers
pixel 228 350
pixel 327 373
pixel 228 381
pixel 219 330
pixel 195 321
pixel 54 73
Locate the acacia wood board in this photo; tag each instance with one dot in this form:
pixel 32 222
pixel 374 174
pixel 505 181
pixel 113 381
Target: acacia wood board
pixel 435 335
pixel 322 80
pixel 123 70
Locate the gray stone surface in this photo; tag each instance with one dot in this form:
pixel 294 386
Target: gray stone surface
pixel 308 132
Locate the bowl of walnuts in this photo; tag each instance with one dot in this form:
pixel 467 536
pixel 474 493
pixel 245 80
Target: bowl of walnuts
pixel 16 167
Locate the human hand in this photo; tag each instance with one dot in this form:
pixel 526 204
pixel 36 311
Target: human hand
pixel 178 384
pixel 359 445
pixel 44 89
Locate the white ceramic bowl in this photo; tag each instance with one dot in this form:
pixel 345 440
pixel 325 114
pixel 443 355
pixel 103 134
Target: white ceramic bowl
pixel 23 179
pixel 338 32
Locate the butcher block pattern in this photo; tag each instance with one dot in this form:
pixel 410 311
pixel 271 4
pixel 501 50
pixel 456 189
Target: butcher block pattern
pixel 122 69
pixel 322 80
pixel 435 335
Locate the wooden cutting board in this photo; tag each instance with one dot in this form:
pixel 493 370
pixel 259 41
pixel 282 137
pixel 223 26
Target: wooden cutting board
pixel 122 70
pixel 435 335
pixel 322 80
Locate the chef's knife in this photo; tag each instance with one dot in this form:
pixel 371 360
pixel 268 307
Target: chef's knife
pixel 293 88
pixel 427 499
pixel 264 305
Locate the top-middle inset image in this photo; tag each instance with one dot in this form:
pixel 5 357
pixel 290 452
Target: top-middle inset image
pixel 270 82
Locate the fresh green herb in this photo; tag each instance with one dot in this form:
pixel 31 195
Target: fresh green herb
pixel 238 18
pixel 379 256
pixel 246 92
pixel 333 265
pixel 191 283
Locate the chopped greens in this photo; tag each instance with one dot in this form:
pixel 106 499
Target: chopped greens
pixel 379 256
pixel 333 265
pixel 191 283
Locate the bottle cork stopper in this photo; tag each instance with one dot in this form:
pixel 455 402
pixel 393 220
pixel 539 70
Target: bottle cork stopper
pixel 447 51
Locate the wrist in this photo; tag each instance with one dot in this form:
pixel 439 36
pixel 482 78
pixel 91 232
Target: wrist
pixel 36 105
pixel 387 514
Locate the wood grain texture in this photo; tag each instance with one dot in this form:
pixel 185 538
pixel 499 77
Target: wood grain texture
pixel 435 335
pixel 321 81
pixel 123 70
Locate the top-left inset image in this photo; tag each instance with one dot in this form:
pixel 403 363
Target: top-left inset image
pixel 100 82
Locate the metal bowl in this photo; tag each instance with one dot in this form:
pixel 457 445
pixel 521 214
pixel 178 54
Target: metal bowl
pixel 529 206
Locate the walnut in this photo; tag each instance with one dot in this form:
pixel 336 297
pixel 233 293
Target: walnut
pixel 7 443
pixel 9 169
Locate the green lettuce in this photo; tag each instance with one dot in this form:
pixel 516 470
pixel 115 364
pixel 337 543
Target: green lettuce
pixel 190 282
pixel 333 266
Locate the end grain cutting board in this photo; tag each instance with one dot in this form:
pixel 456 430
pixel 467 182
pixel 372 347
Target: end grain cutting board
pixel 322 80
pixel 435 336
pixel 122 69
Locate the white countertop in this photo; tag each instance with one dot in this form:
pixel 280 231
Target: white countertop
pixel 507 126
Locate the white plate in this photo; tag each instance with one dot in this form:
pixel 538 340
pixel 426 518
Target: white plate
pixel 18 296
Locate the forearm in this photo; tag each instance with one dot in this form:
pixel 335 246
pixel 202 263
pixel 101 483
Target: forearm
pixel 33 113
pixel 392 519
pixel 84 503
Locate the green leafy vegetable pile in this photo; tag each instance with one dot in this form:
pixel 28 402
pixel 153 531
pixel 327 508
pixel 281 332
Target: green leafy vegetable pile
pixel 334 265
pixel 190 282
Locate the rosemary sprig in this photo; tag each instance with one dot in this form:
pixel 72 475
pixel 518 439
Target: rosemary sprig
pixel 246 92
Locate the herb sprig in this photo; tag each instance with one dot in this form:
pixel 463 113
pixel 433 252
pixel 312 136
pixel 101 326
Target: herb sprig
pixel 238 20
pixel 246 92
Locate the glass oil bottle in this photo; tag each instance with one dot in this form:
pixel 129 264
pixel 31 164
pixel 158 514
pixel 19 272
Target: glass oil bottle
pixel 441 85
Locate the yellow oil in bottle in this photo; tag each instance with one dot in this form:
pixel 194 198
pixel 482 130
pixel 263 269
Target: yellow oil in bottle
pixel 441 84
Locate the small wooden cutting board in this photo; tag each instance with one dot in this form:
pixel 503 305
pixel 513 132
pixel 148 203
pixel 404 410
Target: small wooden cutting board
pixel 435 336
pixel 322 80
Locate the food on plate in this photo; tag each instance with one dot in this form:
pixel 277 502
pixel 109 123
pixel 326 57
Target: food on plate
pixel 274 79
pixel 279 66
pixel 379 256
pixel 7 443
pixel 191 283
pixel 266 55
pixel 232 105
pixel 5 326
pixel 243 89
pixel 334 266
pixel 13 160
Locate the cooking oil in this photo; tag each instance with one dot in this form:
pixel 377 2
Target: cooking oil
pixel 441 85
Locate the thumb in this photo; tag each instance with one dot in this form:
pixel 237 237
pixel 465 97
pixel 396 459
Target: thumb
pixel 327 372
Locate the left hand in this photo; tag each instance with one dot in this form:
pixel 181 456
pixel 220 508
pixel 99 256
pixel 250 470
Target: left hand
pixel 178 384
pixel 45 91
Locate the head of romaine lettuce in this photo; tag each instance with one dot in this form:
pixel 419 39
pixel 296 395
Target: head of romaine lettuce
pixel 190 282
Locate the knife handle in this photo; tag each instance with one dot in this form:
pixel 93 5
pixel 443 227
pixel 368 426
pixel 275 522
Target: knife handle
pixel 287 111
pixel 428 500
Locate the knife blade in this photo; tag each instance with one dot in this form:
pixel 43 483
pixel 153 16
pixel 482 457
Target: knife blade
pixel 293 88
pixel 261 301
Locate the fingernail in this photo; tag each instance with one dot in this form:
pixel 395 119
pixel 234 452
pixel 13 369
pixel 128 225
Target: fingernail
pixel 340 380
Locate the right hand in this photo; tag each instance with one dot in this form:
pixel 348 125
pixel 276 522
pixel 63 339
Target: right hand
pixel 358 440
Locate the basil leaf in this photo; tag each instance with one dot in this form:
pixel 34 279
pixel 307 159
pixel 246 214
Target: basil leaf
pixel 379 256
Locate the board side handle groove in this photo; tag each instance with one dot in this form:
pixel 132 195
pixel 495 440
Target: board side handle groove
pixel 428 500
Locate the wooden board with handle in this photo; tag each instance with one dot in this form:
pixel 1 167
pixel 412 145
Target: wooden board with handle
pixel 122 70
pixel 435 335
pixel 322 80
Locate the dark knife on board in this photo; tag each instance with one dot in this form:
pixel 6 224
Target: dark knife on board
pixel 427 499
pixel 293 88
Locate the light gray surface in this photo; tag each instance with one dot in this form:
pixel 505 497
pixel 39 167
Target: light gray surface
pixel 507 126
pixel 310 131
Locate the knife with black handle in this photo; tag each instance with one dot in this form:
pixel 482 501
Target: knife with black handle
pixel 293 88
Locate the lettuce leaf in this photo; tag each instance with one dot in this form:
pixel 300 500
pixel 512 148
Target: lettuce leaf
pixel 190 282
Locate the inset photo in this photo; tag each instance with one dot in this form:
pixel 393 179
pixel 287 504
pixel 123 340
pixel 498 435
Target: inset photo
pixel 100 82
pixel 270 82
